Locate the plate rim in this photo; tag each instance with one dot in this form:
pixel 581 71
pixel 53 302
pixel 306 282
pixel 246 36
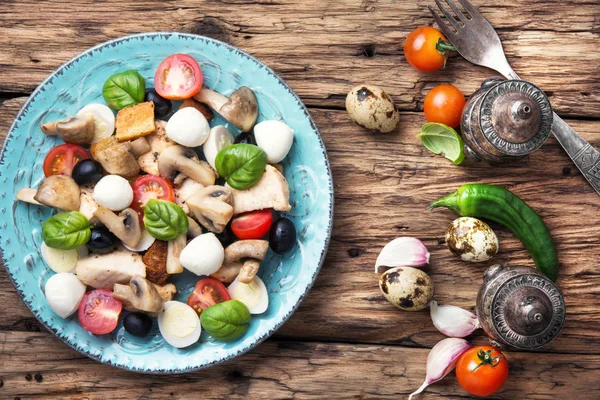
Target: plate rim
pixel 286 317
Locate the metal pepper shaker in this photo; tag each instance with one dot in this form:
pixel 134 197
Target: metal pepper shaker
pixel 519 307
pixel 505 119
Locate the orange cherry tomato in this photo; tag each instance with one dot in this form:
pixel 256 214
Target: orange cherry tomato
pixel 424 51
pixel 482 370
pixel 444 104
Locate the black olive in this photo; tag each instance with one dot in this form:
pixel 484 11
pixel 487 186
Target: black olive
pixel 138 324
pixel 226 237
pixel 245 137
pixel 102 241
pixel 282 236
pixel 87 171
pixel 162 106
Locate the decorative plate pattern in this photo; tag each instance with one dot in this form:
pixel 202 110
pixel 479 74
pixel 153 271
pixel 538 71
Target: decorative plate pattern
pixel 79 82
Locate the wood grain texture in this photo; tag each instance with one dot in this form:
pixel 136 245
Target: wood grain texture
pixel 336 44
pixel 279 370
pixel 346 340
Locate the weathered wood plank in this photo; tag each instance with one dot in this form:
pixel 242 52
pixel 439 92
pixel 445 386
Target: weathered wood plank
pixel 321 48
pixel 383 184
pixel 280 370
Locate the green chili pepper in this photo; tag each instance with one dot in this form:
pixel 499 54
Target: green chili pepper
pixel 498 204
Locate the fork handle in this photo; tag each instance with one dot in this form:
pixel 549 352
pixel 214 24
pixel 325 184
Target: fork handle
pixel 585 157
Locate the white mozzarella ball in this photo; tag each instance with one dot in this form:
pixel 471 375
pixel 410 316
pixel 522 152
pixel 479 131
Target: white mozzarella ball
pixel 254 294
pixel 204 255
pixel 104 120
pixel 219 137
pixel 179 324
pixel 64 292
pixel 188 127
pixel 275 138
pixel 113 192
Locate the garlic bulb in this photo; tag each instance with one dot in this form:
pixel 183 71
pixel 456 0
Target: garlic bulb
pixel 402 252
pixel 453 321
pixel 441 360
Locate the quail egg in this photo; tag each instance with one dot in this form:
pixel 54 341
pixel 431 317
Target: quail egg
pixel 471 239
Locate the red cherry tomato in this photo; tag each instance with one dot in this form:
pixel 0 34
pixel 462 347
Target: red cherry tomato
pixel 252 225
pixel 99 312
pixel 61 159
pixel 422 50
pixel 178 77
pixel 444 104
pixel 482 370
pixel 150 187
pixel 208 292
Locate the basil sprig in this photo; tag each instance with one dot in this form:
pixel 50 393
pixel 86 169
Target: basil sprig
pixel 66 230
pixel 226 321
pixel 124 89
pixel 242 165
pixel 164 220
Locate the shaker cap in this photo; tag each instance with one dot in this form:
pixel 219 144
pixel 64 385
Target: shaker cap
pixel 516 117
pixel 528 311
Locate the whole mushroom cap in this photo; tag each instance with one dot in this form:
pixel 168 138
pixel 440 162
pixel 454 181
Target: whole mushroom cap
pixel 372 108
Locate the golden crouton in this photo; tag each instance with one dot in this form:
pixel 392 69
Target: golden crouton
pixel 208 114
pixel 156 262
pixel 135 121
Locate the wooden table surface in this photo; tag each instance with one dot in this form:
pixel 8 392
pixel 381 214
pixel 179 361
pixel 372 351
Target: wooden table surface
pixel 346 340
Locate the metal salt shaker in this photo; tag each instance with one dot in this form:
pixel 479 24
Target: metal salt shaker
pixel 504 120
pixel 520 307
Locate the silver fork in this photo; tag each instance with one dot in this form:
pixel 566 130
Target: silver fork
pixel 476 40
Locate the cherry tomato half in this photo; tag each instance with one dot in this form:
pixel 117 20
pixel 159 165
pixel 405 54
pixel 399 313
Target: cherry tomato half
pixel 61 159
pixel 423 49
pixel 252 225
pixel 444 104
pixel 208 292
pixel 178 77
pixel 99 312
pixel 150 187
pixel 482 370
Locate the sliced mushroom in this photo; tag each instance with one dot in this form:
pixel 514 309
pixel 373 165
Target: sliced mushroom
pixel 140 146
pixel 125 226
pixel 116 157
pixel 102 271
pixel 243 255
pixel 212 208
pixel 59 191
pixel 271 191
pixel 241 108
pixel 184 191
pixel 194 229
pixel 177 160
pixel 139 293
pixel 27 195
pixel 174 252
pixel 78 130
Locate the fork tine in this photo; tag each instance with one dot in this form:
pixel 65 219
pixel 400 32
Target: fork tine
pixel 458 13
pixel 470 8
pixel 449 16
pixel 449 33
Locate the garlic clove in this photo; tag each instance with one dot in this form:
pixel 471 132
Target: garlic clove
pixel 441 360
pixel 402 252
pixel 453 321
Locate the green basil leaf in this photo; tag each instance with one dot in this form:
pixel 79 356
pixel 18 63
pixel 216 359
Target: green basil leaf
pixel 164 220
pixel 442 139
pixel 124 89
pixel 66 230
pixel 226 321
pixel 242 165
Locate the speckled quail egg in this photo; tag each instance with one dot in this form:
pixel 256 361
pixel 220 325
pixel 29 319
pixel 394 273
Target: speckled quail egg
pixel 369 106
pixel 407 288
pixel 471 239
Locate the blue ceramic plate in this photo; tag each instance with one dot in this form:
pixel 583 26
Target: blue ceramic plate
pixel 79 82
